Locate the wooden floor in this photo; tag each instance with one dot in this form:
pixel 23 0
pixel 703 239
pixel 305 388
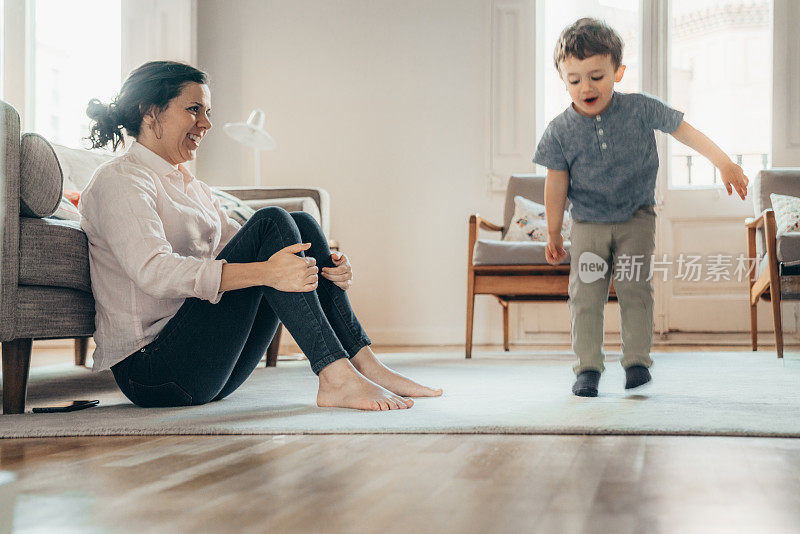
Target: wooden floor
pixel 405 483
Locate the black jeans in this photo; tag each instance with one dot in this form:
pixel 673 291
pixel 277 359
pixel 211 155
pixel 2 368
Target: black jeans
pixel 207 350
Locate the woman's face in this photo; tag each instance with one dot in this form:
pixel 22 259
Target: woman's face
pixel 176 132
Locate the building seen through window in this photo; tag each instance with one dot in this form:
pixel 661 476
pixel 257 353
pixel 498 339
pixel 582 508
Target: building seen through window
pixel 721 77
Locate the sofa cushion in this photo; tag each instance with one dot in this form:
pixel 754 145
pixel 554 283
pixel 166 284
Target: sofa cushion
pixel 53 253
pixel 236 208
pixel 787 213
pixel 67 210
pixel 529 222
pixel 497 252
pixel 41 180
pixel 78 165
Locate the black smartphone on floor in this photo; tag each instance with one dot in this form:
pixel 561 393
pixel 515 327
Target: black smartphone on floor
pixel 67 406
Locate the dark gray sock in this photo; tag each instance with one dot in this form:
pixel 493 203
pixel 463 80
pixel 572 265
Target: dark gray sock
pixel 636 375
pixel 586 384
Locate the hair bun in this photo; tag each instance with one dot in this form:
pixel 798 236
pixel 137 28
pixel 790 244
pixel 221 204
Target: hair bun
pixel 97 111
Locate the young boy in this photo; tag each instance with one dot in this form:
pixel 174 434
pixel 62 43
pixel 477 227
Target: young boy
pixel 601 153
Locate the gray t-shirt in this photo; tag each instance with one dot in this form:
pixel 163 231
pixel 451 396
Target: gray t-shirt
pixel 611 158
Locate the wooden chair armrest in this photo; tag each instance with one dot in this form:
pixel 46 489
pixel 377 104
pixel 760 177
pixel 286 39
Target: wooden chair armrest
pixel 757 222
pixel 476 222
pixel 483 224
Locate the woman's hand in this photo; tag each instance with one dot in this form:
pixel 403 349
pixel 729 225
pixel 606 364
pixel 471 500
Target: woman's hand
pixel 291 273
pixel 342 274
pixel 554 250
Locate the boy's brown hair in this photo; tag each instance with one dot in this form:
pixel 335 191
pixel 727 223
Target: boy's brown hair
pixel 588 37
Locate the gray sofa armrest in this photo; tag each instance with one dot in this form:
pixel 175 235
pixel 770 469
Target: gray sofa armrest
pixel 259 193
pixel 9 181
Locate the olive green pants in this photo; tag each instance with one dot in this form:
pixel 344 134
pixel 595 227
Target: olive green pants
pixel 626 249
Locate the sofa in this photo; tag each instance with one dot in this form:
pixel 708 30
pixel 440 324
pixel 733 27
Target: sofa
pixel 45 291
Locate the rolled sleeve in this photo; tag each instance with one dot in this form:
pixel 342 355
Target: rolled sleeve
pixel 208 279
pixel 659 116
pixel 549 152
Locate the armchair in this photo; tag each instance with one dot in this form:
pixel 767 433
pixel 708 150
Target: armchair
pixel 776 276
pixel 512 270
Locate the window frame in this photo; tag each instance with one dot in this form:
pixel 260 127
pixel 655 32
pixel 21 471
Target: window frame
pixel 654 77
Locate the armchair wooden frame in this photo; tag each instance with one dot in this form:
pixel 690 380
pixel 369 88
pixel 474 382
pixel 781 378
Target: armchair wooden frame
pixel 767 286
pixel 509 282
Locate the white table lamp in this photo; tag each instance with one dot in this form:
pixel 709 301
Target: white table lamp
pixel 252 134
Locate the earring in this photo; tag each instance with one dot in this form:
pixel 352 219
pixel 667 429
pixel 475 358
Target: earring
pixel 160 133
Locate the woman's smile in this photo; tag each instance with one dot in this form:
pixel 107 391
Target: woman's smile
pixel 194 140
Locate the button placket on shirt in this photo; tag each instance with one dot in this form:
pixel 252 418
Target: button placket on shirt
pixel 601 137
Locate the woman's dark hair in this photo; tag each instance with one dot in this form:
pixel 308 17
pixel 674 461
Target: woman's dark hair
pixel 150 86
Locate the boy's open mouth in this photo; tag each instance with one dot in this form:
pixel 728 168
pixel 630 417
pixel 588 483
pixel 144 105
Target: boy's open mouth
pixel 590 101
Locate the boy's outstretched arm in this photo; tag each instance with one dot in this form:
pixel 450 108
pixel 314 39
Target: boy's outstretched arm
pixel 732 175
pixel 555 197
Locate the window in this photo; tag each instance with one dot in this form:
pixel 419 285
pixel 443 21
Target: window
pixel 622 15
pixel 721 77
pixel 2 45
pixel 76 56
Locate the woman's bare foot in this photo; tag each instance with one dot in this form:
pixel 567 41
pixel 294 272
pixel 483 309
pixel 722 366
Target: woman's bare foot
pixel 368 365
pixel 342 386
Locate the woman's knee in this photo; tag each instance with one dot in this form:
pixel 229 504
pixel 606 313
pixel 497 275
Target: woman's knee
pixel 304 219
pixel 278 217
pixel 275 213
pixel 310 229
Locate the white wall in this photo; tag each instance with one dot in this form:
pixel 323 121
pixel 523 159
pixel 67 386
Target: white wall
pixel 384 104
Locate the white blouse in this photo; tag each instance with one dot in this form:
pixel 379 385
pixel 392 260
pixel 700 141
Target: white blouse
pixel 154 231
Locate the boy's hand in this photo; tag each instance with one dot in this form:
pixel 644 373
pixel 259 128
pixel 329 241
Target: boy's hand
pixel 733 177
pixel 554 250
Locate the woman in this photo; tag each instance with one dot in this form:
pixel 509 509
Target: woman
pixel 188 300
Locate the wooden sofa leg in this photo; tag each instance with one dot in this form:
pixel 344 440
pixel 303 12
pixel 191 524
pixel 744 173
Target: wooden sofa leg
pixel 470 316
pixel 16 365
pixel 754 326
pixel 776 320
pixel 272 350
pixel 504 304
pixel 81 349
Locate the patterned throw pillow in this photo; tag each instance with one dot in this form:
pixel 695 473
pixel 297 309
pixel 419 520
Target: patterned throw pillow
pixel 529 222
pixel 66 210
pixel 787 213
pixel 233 206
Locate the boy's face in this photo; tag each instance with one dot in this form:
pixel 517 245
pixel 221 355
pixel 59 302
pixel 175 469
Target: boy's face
pixel 590 82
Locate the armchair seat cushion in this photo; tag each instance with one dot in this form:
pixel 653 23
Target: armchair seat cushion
pixel 53 253
pixel 497 252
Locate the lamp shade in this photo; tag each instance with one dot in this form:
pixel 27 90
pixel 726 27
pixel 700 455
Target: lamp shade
pixel 252 132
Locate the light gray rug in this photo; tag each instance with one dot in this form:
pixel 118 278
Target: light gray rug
pixel 703 393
